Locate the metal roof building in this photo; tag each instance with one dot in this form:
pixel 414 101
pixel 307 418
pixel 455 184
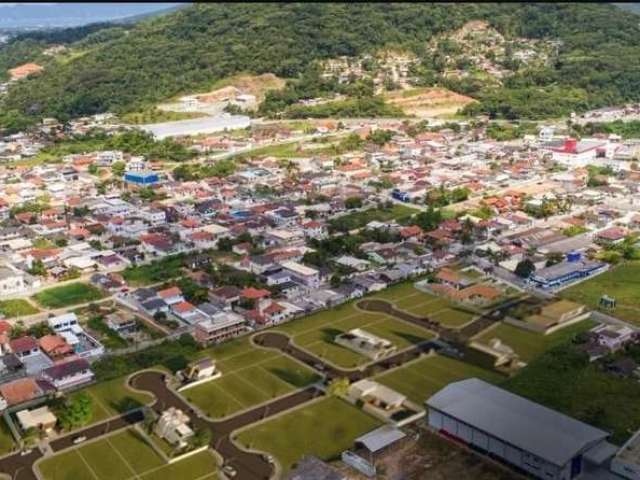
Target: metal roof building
pixel 534 438
pixel 197 126
pixel 380 438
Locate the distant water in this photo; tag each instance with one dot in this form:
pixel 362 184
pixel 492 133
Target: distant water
pixel 31 16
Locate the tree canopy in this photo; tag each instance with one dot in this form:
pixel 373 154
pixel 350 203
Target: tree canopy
pixel 129 69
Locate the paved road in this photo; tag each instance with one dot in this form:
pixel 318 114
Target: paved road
pixel 250 466
pixel 282 342
pixel 20 467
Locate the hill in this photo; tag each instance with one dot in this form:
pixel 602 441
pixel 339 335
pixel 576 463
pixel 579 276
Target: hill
pixel 597 62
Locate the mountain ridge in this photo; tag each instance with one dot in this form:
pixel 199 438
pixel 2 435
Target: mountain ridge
pixel 192 48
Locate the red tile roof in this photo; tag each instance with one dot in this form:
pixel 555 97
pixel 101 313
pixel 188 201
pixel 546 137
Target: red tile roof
pixel 170 292
pixel 23 344
pixel 20 390
pixel 255 293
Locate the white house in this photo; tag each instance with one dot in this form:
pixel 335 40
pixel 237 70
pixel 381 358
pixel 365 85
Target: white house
pixel 307 275
pixel 11 280
pixel 69 374
pixel 173 426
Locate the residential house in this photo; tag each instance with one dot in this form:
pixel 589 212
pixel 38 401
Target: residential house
pixel 55 347
pixel 219 327
pixel 308 276
pixel 20 391
pixel 12 281
pixel 173 426
pixel 69 374
pixel 24 347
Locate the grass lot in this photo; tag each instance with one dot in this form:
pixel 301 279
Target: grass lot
pixel 250 376
pixel 361 218
pixel 621 282
pixel 123 456
pixel 16 308
pixel 154 272
pixel 281 150
pixel 7 443
pixel 420 379
pixel 324 429
pixel 316 332
pixel 529 345
pixel 563 379
pixel 112 397
pixel 67 295
pixel 406 297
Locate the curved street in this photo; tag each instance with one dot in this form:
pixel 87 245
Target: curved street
pixel 251 465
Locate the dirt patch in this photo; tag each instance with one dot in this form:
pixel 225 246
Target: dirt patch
pixel 432 457
pixel 256 85
pixel 428 101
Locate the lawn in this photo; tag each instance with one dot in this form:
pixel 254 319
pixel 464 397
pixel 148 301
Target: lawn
pixel 359 219
pixel 154 272
pixel 16 308
pixel 112 397
pixel 250 376
pixel 408 298
pixel 281 150
pixel 316 333
pixel 565 380
pixel 324 429
pixel 67 295
pixel 123 456
pixel 7 443
pixel 422 378
pixel 529 345
pixel 621 282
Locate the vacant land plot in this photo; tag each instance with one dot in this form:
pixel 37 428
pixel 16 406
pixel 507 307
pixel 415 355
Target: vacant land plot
pixel 316 333
pixel 420 379
pixel 421 304
pixel 428 101
pixel 565 380
pixel 529 345
pixel 621 283
pixel 7 443
pixel 324 429
pixel 112 397
pixel 16 308
pixel 67 295
pixel 123 456
pixel 154 272
pixel 360 219
pixel 250 376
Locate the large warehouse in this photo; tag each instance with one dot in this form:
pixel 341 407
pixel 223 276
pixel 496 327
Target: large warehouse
pixel 536 439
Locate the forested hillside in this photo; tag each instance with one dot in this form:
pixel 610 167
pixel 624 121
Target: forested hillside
pixel 128 70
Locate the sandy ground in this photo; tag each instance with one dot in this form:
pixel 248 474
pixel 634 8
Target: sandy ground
pixel 428 102
pixel 434 458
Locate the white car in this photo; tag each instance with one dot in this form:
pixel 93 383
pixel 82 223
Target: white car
pixel 78 440
pixel 229 471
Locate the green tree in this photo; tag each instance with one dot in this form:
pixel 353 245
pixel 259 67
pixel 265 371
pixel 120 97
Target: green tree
pixel 75 412
pixel 525 268
pixel 338 387
pixel 37 268
pixel 117 169
pixel 353 202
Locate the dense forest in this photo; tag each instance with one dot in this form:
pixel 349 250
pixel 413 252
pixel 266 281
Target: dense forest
pixel 128 69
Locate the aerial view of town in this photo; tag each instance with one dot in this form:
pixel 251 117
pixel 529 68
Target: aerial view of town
pixel 319 241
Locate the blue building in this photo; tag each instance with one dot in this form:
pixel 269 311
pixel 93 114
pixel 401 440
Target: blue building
pixel 143 179
pixel 402 196
pixel 574 268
